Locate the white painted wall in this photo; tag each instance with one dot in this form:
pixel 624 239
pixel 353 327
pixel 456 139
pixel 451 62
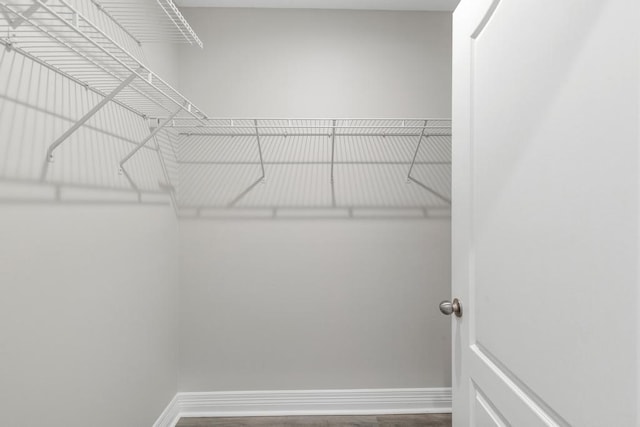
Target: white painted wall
pixel 88 282
pixel 315 304
pixel 89 276
pixel 87 314
pixel 318 63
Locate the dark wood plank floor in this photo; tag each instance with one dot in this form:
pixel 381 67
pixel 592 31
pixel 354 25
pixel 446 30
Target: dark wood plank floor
pixel 423 420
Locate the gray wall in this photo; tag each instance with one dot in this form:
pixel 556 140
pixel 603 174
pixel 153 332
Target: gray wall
pixel 87 314
pixel 88 275
pixel 316 304
pixel 319 63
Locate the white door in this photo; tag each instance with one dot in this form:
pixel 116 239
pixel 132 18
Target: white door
pixel 545 212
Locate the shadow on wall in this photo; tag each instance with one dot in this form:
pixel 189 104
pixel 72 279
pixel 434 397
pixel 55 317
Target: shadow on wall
pixel 50 77
pixel 207 168
pixel 266 169
pixel 37 106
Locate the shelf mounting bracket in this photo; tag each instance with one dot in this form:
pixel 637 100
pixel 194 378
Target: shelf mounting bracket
pixel 262 178
pixel 147 139
pixel 413 161
pixel 415 155
pixel 333 145
pixel 333 150
pixel 82 121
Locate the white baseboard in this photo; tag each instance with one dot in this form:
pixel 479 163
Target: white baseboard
pixel 171 414
pixel 306 402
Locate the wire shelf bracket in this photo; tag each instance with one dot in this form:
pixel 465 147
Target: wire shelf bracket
pixel 333 151
pixel 263 177
pixel 81 122
pixel 122 171
pixel 411 179
pixel 144 142
pixel 415 154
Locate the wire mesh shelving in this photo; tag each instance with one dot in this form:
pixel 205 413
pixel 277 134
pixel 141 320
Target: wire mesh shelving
pixel 59 37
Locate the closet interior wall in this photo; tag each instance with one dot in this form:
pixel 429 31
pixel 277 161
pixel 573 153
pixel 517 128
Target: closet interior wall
pixel 102 282
pixel 88 267
pixel 302 296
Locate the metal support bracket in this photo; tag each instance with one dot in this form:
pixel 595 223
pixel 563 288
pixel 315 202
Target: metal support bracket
pixel 147 139
pixel 263 179
pixel 169 185
pixel 82 121
pixel 411 179
pixel 333 150
pixel 415 155
pixel 140 145
pixel 333 146
pixel 431 190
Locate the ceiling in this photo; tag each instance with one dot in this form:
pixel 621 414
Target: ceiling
pixel 436 5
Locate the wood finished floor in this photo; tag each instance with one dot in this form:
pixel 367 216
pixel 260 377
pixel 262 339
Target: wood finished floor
pixel 423 420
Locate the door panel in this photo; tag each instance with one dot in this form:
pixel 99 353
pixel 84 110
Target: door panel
pixel 545 218
pixel 485 413
pixel 518 405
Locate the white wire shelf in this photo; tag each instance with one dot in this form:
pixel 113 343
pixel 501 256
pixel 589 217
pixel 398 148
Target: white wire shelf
pixel 58 37
pixel 309 127
pixel 266 167
pixel 150 20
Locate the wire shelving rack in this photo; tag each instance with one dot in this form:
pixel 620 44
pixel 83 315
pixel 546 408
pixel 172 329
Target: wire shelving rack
pixel 58 36
pixel 340 166
pixel 334 163
pixel 149 21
